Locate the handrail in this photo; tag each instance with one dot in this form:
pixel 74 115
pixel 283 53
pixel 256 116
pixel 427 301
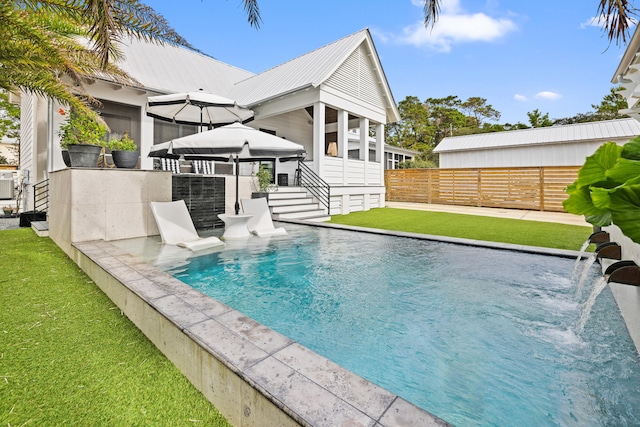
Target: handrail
pixel 40 197
pixel 312 182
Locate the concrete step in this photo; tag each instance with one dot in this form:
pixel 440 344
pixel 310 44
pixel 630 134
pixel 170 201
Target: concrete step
pixel 288 195
pixel 301 215
pixel 290 202
pixel 321 218
pixel 41 228
pixel 295 208
pixel 287 189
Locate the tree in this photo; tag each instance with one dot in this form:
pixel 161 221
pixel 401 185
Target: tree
pixel 413 131
pixel 538 120
pixel 40 51
pixel 618 17
pixel 9 118
pixel 608 109
pixel 478 108
pixel 445 116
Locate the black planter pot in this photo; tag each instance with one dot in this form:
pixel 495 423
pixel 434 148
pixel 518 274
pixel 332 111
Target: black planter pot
pixel 125 159
pixel 66 158
pixel 84 155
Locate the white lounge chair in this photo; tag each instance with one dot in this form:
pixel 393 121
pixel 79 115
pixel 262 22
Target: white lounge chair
pixel 261 224
pixel 176 226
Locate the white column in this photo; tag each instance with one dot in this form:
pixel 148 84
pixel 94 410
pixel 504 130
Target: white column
pixel 318 137
pixel 380 157
pixel 364 146
pixel 343 143
pixel 146 141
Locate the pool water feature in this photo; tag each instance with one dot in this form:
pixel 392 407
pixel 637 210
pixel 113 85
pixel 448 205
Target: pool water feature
pixel 474 336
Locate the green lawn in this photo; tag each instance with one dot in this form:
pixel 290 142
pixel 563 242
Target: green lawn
pixel 504 230
pixel 69 357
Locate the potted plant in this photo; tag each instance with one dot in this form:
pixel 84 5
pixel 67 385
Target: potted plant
pixel 124 151
pixel 83 137
pixel 264 183
pixel 7 210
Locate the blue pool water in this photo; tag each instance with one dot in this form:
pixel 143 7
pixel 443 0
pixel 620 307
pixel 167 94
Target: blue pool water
pixel 477 337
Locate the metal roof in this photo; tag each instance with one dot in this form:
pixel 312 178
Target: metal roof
pixel 579 132
pixel 167 69
pixel 306 71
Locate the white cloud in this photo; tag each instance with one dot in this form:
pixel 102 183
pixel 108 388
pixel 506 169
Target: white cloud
pixel 594 21
pixel 455 26
pixel 520 98
pixel 551 96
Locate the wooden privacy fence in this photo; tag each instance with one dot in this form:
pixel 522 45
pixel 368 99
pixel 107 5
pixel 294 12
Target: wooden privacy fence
pixel 531 188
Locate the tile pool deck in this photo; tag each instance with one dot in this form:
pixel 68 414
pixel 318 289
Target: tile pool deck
pixel 252 374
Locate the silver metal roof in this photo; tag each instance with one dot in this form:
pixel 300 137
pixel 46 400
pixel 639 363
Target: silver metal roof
pixel 308 70
pixel 169 69
pixel 579 132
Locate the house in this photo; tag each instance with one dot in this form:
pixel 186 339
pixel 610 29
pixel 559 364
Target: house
pixel 566 145
pixel 329 100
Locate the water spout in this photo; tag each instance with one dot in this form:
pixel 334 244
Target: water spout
pixel 609 250
pixel 598 287
pixel 626 272
pixel 599 237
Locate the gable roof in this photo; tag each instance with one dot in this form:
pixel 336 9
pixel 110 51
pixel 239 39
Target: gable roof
pixel 169 69
pixel 350 64
pixel 579 132
pixel 315 68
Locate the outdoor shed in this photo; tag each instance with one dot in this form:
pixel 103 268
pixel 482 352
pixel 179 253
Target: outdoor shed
pixel 566 145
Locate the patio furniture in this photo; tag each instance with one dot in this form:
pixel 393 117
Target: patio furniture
pixel 261 224
pixel 176 226
pixel 235 226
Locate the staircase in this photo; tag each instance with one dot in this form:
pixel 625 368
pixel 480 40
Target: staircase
pixel 295 203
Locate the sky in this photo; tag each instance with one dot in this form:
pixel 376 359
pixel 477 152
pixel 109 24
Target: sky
pixel 519 55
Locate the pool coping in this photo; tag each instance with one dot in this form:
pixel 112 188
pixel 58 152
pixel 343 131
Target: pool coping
pixel 538 250
pixel 251 373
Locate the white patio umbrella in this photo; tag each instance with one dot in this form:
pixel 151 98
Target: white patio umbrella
pixel 197 108
pixel 235 142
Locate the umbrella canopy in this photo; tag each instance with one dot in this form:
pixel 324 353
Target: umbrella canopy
pixel 235 142
pixel 197 108
pixel 230 141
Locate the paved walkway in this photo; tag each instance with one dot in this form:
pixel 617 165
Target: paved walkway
pixel 563 218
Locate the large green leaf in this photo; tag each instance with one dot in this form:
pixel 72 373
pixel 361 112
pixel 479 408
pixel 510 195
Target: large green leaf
pixel 580 203
pixel 631 150
pixel 600 198
pixel 624 170
pixel 625 210
pixel 596 166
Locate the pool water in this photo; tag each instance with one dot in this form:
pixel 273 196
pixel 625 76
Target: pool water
pixel 477 337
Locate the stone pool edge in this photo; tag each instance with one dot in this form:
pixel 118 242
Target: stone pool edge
pixel 251 373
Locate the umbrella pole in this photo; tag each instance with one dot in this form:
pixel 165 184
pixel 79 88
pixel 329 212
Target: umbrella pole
pixel 237 205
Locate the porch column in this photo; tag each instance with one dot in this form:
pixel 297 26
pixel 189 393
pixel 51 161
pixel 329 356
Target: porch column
pixel 364 146
pixel 318 137
pixel 343 143
pixel 380 157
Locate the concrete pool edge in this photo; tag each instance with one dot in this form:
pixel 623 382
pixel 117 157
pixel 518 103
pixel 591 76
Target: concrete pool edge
pixel 249 372
pixel 565 253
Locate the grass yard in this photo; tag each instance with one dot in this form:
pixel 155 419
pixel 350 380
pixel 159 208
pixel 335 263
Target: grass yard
pixel 69 357
pixel 504 230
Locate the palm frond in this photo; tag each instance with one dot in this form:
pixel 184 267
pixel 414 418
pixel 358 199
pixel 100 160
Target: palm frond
pixel 431 12
pixel 618 17
pixel 253 13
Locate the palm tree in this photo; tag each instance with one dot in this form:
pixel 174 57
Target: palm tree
pixel 616 14
pixel 43 52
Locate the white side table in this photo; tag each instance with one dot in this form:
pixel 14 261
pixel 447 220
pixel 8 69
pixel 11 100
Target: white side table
pixel 235 226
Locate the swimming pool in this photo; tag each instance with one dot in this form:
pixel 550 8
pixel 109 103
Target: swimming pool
pixel 474 336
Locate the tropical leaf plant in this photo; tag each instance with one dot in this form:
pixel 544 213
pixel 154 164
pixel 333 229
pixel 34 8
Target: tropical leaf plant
pixel 608 188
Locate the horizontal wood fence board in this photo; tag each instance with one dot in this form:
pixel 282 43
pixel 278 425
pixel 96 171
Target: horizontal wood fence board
pixel 531 188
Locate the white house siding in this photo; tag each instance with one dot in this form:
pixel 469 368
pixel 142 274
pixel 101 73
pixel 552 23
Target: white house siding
pixel 294 126
pixel 374 174
pixel 27 131
pixel 355 172
pixel 567 154
pixel 357 78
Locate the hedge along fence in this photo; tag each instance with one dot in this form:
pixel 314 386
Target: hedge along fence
pixel 531 188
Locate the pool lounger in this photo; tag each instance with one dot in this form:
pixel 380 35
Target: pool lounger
pixel 176 226
pixel 261 224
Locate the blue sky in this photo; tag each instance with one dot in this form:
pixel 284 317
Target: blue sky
pixel 520 55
